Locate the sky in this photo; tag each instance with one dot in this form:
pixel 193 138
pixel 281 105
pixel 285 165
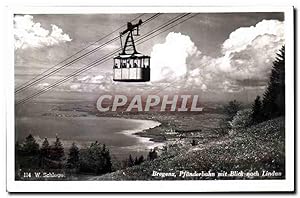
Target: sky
pixel 218 56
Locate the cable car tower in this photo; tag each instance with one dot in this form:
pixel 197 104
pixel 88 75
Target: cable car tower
pixel 130 65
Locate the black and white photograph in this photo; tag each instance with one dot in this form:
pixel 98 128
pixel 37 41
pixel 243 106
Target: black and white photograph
pixel 152 95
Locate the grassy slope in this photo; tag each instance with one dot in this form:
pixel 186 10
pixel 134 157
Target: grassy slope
pixel 257 148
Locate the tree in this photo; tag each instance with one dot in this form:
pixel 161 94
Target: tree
pixel 45 148
pixel 256 116
pixel 136 161
pixel 241 119
pixel 232 108
pixel 107 165
pixel 274 96
pixel 57 150
pixel 73 157
pixel 130 161
pixel 223 126
pixel 18 148
pixel 30 147
pixel 29 155
pixel 141 159
pixel 95 159
pixel 18 153
pixel 152 154
pixel 44 152
pixel 193 143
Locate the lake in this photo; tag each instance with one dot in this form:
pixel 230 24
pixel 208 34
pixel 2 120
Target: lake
pixel 116 133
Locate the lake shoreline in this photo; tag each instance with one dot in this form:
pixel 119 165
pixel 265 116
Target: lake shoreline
pixel 133 143
pixel 154 134
pixel 141 132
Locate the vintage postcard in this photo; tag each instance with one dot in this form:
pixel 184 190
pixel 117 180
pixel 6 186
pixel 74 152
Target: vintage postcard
pixel 150 99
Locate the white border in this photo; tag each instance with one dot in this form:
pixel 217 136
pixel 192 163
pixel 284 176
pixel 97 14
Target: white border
pixel 153 186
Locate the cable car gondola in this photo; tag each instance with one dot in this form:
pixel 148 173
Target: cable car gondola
pixel 129 65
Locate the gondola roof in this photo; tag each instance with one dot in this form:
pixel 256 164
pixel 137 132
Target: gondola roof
pixel 131 56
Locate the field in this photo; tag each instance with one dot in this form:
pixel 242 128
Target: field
pixel 196 146
pixel 256 152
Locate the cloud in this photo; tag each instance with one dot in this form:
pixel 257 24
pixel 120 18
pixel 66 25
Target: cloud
pixel 177 64
pixel 250 51
pixel 29 34
pixel 242 37
pixel 42 85
pixel 91 79
pixel 169 59
pixel 91 83
pixel 247 59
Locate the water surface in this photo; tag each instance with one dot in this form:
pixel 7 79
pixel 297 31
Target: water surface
pixel 116 133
